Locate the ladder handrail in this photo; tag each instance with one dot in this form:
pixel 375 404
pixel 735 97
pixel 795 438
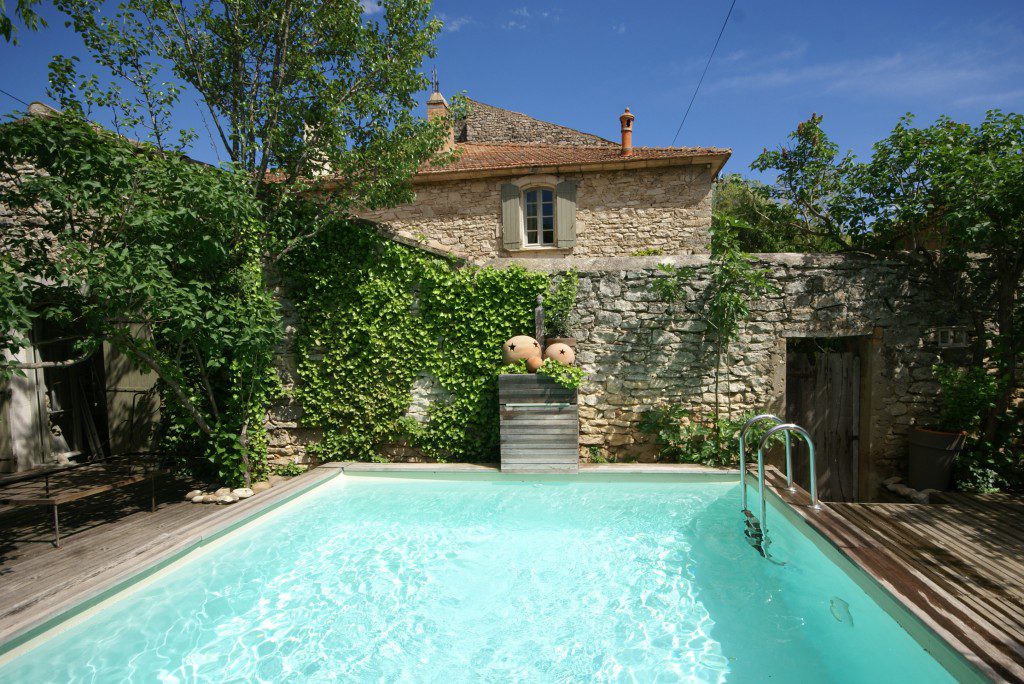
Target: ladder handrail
pixel 786 428
pixel 743 455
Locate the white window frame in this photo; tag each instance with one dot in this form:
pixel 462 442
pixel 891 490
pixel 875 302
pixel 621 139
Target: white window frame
pixel 539 182
pixel 540 244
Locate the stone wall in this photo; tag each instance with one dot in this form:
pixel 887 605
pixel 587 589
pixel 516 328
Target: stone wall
pixel 618 212
pixel 640 352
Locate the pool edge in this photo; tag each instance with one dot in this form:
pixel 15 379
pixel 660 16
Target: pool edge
pixel 961 662
pixel 139 568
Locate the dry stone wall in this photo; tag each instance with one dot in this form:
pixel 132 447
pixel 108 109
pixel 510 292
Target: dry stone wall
pixel 618 212
pixel 640 352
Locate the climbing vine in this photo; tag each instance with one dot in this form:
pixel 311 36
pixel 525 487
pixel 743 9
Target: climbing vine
pixel 376 319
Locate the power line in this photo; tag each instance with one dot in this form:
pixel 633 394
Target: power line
pixel 704 73
pixel 14 97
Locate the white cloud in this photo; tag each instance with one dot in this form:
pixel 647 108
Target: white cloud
pixel 453 24
pixel 905 73
pixel 371 6
pixel 619 28
pixel 991 99
pixel 521 12
pixel 513 25
pixel 960 74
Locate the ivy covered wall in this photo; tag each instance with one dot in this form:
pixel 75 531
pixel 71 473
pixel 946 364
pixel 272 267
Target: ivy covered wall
pixel 374 319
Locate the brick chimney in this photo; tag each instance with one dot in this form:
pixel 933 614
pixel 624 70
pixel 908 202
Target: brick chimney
pixel 438 106
pixel 627 133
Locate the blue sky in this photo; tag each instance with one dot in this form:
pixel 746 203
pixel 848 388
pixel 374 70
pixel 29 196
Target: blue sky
pixel 579 63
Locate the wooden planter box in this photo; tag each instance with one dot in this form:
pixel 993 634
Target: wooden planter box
pixel 540 425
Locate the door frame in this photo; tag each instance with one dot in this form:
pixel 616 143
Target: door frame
pixel 867 346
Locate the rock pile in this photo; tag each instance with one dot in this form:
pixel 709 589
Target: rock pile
pixel 895 485
pixel 224 495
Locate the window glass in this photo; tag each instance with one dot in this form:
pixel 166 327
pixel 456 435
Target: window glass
pixel 539 213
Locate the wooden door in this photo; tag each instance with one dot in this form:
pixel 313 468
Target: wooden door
pixel 823 396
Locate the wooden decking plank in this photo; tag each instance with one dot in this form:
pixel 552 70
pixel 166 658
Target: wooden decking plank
pixel 982 613
pixel 997 569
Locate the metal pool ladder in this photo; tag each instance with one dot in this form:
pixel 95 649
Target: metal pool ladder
pixel 757 528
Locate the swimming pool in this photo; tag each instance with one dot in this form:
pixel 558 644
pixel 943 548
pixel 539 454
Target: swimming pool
pixel 469 578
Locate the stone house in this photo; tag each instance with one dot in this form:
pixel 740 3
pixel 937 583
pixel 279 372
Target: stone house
pixel 846 347
pixel 525 188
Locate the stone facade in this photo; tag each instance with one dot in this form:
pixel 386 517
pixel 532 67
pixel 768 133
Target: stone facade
pixel 617 213
pixel 640 352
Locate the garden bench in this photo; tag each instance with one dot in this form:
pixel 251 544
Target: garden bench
pixel 59 485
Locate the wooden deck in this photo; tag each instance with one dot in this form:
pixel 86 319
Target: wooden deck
pixel 957 564
pixel 107 540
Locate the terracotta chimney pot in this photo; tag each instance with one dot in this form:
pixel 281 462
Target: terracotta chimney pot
pixel 627 133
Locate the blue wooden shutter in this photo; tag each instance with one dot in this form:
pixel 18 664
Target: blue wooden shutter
pixel 565 214
pixel 511 233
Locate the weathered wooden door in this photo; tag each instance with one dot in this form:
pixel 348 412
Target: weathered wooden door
pixel 823 396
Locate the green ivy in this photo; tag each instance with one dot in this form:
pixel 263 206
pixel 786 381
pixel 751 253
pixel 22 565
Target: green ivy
pixel 559 302
pixel 569 377
pixel 374 316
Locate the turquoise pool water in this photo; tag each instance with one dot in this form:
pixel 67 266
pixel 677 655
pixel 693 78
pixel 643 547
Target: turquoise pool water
pixel 485 579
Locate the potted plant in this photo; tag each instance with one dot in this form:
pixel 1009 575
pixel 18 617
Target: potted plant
pixel 557 306
pixel 965 394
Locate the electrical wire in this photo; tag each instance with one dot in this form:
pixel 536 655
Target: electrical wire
pixel 704 73
pixel 13 97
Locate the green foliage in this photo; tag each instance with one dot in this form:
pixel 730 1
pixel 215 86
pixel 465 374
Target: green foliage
pixel 735 283
pixel 155 255
pixel 683 437
pixel 558 303
pixel 966 394
pixel 595 454
pixel 671 287
pixel 569 377
pixel 745 208
pixel 375 316
pixel 952 195
pixel 287 88
pixel 25 12
pixel 517 367
pixel 287 469
pixel 647 251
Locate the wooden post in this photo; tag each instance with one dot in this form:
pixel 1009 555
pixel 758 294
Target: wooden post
pixel 538 321
pixel 56 527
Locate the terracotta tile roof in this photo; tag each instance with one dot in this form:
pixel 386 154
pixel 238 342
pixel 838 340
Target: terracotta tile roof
pixel 487 157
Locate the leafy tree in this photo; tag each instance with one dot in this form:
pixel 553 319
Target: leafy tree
pixel 293 93
pixel 949 199
pixel 151 253
pixel 759 222
pixel 288 89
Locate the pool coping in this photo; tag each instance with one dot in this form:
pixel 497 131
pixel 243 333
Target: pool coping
pixel 892 595
pixel 66 604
